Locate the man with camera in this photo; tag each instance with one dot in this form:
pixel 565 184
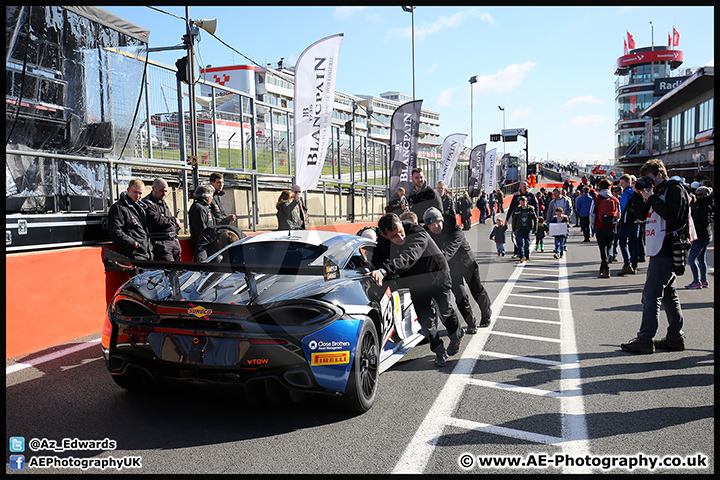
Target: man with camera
pixel 667 230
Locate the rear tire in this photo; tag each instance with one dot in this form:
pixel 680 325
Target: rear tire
pixel 362 385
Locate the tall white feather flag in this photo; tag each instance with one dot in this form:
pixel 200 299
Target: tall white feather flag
pixel 490 170
pixel 315 74
pixel 452 146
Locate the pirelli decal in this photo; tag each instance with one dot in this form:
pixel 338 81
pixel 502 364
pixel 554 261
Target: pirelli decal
pixel 330 358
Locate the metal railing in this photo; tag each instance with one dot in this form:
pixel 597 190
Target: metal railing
pixel 251 143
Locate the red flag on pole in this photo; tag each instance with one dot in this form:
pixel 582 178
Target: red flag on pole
pixel 676 37
pixel 631 42
pixel 625 46
pixel 669 40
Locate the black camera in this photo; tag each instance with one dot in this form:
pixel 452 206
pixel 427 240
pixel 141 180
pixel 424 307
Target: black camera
pixel 643 183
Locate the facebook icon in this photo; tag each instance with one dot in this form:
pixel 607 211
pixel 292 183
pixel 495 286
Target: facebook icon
pixel 17 462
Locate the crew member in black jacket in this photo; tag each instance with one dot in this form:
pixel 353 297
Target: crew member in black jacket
pixel 217 206
pixel 127 224
pixel 215 238
pixel 422 196
pixel 162 225
pixel 200 214
pixel 460 257
pixel 406 251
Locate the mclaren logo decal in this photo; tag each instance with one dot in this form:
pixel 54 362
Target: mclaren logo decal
pixel 199 311
pixel 330 358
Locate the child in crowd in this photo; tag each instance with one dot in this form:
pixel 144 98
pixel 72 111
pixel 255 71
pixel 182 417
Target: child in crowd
pixel 560 240
pixel 498 234
pixel 542 230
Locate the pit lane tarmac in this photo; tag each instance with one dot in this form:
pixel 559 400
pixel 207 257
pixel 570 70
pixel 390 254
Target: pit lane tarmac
pixel 535 289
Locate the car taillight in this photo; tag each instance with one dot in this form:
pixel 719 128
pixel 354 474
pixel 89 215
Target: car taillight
pixel 136 332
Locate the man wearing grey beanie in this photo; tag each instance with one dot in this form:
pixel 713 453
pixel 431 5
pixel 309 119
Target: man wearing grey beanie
pixel 461 259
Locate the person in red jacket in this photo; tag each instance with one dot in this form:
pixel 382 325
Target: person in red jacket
pixel 603 222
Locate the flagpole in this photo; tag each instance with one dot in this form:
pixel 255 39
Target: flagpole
pixel 652 35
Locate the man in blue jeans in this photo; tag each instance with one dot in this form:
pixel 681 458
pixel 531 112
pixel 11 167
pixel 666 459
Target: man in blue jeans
pixel 629 228
pixel 524 222
pixel 668 205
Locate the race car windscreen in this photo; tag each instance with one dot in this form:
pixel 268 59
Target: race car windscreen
pixel 277 253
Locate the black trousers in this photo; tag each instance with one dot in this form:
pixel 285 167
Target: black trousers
pixel 585 227
pixel 424 289
pixel 604 237
pixel 471 276
pixel 168 250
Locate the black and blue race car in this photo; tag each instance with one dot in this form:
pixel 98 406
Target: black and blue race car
pixel 289 310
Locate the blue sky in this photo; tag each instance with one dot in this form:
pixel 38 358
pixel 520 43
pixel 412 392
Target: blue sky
pixel 552 68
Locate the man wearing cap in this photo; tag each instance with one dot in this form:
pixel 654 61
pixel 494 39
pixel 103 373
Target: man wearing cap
pixel 460 257
pixel 405 251
pixel 297 195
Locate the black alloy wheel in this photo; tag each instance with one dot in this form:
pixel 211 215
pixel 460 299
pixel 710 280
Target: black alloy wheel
pixel 362 385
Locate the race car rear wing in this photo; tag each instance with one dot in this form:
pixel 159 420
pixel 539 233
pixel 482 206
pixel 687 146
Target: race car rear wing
pixel 115 262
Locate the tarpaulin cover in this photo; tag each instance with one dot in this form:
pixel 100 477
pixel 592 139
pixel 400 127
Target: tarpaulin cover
pixel 74 78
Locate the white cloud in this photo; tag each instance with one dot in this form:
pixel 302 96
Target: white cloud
pixel 432 68
pixel 445 97
pixel 581 100
pixel 440 24
pixel 520 114
pixel 504 80
pixel 584 121
pixel 342 13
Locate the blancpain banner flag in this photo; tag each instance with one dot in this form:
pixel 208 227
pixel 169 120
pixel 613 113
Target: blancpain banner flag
pixel 315 74
pixel 490 170
pixel 475 172
pixel 452 146
pixel 505 168
pixel 404 130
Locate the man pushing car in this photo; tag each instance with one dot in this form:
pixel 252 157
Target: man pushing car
pixel 406 251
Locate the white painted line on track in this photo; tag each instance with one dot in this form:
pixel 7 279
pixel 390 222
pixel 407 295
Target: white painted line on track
pixel 574 440
pixel 507 386
pixel 535 287
pixel 537 281
pixel 574 424
pixel 418 451
pixel 51 356
pixel 519 358
pixel 531 320
pixel 524 295
pixel 527 337
pixel 539 274
pixel 504 431
pixel 534 307
pixel 543 270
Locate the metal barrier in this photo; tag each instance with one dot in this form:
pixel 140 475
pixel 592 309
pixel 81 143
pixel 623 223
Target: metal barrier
pixel 250 142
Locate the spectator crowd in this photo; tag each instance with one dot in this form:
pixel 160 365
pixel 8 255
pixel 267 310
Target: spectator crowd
pixel 656 220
